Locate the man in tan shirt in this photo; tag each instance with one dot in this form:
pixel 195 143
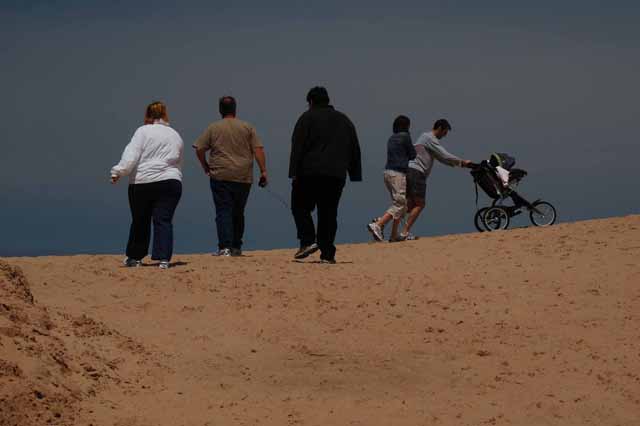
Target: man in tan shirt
pixel 233 146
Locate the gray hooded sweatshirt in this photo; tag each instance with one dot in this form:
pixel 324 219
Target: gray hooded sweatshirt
pixel 428 148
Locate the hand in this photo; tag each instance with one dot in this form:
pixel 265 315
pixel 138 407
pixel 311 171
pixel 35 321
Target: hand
pixel 467 163
pixel 264 180
pixel 114 179
pixel 207 171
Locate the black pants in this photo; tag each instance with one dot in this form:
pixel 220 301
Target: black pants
pixel 157 201
pixel 323 192
pixel 230 199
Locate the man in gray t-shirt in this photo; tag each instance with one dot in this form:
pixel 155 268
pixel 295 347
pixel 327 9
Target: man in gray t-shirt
pixel 428 149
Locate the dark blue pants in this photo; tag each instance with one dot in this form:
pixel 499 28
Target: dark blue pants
pixel 155 201
pixel 230 199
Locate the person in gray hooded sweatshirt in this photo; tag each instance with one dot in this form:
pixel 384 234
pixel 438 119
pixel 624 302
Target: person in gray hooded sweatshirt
pixel 428 149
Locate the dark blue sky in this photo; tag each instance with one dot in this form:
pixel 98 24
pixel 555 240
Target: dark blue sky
pixel 553 83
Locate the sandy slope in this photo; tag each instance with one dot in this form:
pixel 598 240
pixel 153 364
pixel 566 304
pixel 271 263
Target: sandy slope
pixel 525 327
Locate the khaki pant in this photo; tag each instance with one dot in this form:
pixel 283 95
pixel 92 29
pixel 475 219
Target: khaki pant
pixel 396 183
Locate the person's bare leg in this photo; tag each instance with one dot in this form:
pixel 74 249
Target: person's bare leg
pixel 386 218
pixel 377 226
pixel 410 205
pixel 417 207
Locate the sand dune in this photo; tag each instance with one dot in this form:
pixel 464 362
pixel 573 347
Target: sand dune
pixel 523 327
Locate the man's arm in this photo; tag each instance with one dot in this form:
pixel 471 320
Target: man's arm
pixel 258 153
pixel 201 153
pixel 261 159
pixel 355 163
pixel 201 146
pixel 444 156
pixel 297 146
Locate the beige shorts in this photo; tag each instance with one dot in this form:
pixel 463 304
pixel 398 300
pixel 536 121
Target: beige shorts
pixel 396 183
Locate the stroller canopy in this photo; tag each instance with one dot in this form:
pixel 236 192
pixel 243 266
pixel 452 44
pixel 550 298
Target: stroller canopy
pixel 500 159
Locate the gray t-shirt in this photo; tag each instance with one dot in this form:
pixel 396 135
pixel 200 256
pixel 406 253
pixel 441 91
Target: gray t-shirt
pixel 428 148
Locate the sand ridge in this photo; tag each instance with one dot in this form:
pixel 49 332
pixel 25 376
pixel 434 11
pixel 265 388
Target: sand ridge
pixel 523 327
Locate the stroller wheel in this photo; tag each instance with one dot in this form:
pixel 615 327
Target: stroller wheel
pixel 542 213
pixel 478 220
pixel 495 219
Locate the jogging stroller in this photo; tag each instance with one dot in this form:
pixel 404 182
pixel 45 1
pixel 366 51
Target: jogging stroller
pixel 498 179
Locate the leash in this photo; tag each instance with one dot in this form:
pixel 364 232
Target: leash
pixel 277 197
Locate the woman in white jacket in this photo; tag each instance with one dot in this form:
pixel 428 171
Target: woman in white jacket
pixel 153 162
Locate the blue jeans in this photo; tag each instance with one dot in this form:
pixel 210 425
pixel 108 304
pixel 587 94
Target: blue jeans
pixel 230 199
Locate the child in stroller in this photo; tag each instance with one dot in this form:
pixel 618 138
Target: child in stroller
pixel 498 179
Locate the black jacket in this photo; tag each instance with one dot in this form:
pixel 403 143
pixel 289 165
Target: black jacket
pixel 325 143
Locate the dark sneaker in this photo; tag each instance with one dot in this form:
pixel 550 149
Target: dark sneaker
pixel 236 252
pixel 306 251
pixel 223 253
pixel 328 261
pixel 132 263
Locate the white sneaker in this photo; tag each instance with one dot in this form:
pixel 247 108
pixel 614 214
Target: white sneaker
pixel 223 253
pixel 164 264
pixel 409 237
pixel 398 239
pixel 376 231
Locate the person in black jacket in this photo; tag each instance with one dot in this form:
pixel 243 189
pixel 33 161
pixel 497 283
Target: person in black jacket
pixel 324 149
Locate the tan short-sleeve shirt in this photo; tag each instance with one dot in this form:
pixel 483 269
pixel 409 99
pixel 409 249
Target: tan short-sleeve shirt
pixel 231 144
